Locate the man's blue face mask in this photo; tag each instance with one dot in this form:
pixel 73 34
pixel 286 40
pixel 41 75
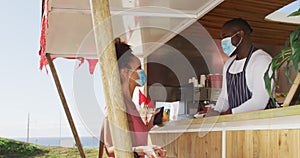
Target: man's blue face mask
pixel 142 77
pixel 227 46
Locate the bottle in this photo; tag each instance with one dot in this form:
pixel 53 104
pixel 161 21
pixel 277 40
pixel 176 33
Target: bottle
pixel 208 81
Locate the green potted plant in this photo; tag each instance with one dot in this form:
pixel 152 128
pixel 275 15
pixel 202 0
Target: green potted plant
pixel 290 53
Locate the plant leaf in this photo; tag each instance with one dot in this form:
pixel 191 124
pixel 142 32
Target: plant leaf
pixel 293 37
pixel 276 62
pixel 295 46
pixel 268 80
pixel 297 36
pixel 277 65
pixel 296 13
pixel 287 71
pixel 295 59
pixel 290 53
pixel 287 43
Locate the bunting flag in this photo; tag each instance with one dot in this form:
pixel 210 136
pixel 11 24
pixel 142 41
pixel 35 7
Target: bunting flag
pixel 43 60
pixel 143 99
pixel 92 65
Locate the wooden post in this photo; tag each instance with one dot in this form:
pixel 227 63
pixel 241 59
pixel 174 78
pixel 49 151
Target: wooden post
pixel 292 91
pixel 28 122
pixel 65 105
pixel 111 79
pixel 145 60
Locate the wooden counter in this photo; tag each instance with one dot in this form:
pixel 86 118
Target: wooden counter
pixel 264 134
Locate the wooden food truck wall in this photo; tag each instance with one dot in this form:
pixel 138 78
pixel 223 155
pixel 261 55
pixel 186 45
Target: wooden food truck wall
pixel 238 144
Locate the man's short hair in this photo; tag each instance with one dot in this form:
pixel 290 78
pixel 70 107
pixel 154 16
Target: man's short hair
pixel 240 24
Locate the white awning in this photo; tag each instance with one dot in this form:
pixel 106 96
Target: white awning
pixel 139 22
pixel 281 15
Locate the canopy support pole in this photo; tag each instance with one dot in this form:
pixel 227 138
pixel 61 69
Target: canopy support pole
pixel 116 109
pixel 65 105
pixel 292 91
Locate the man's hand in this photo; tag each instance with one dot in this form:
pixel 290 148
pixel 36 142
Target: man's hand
pixel 212 112
pixel 229 111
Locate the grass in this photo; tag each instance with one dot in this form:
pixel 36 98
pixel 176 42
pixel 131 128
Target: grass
pixel 11 148
pixel 61 152
pixel 15 149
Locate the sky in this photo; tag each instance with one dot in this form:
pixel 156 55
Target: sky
pixel 291 7
pixel 24 88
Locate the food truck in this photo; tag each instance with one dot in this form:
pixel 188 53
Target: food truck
pixel 178 43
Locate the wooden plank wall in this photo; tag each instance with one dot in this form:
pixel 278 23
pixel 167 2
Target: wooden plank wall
pixel 263 144
pixel 190 145
pixel 239 144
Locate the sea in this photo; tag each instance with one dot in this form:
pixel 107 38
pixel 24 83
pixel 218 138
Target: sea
pixel 87 142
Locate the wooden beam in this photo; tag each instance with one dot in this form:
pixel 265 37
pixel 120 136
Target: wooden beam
pixel 145 60
pixel 116 109
pixel 65 105
pixel 292 91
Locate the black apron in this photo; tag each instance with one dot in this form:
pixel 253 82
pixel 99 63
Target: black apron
pixel 237 88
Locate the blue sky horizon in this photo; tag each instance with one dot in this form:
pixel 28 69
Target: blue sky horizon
pixel 26 89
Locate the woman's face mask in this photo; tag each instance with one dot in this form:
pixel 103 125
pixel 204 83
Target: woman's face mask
pixel 142 77
pixel 227 46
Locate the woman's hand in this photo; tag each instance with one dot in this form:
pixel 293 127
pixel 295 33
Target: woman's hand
pixel 150 124
pixel 152 151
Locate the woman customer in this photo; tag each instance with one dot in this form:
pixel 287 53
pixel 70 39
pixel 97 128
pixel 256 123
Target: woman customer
pixel 132 75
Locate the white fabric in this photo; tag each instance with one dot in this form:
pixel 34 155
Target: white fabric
pixel 70 32
pixel 255 70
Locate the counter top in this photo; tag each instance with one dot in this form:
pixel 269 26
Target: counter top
pixel 279 118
